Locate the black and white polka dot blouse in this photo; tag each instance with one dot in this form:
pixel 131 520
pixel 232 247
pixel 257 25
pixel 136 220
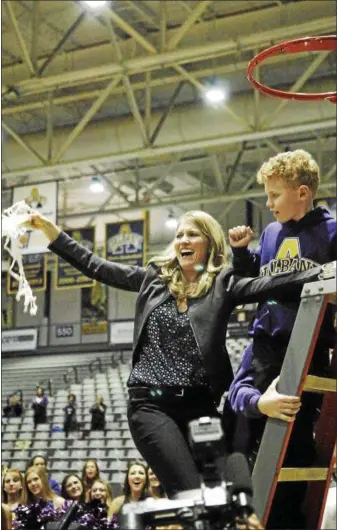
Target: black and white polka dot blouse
pixel 169 355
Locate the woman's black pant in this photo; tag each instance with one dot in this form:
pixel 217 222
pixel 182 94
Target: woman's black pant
pixel 160 431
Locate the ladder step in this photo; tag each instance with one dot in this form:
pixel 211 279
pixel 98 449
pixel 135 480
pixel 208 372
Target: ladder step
pixel 297 474
pixel 320 384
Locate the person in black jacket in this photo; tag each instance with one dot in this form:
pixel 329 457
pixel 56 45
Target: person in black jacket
pixel 70 420
pixel 181 366
pixel 98 415
pixel 39 406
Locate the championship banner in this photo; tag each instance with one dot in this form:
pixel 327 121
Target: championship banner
pixel 126 241
pixel 66 276
pixel 35 268
pixel 94 310
pixel 43 198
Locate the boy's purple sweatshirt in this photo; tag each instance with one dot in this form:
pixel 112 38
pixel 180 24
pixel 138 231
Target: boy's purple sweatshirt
pixel 283 248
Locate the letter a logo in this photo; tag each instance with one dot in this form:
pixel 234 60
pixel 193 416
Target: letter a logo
pixel 289 248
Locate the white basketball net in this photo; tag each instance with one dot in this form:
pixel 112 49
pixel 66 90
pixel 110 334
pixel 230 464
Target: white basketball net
pixel 12 229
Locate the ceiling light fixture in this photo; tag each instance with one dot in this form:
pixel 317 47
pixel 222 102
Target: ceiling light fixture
pixel 171 221
pixel 215 94
pixel 96 185
pixel 95 3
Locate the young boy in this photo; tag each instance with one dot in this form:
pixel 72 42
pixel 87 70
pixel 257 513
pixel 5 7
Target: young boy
pixel 301 238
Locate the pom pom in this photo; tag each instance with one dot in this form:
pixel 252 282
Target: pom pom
pixel 34 516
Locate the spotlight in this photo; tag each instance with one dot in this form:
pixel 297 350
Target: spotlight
pixel 96 185
pixel 215 94
pixel 95 3
pixel 171 221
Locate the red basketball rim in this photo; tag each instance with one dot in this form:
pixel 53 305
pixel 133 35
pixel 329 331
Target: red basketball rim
pixel 306 44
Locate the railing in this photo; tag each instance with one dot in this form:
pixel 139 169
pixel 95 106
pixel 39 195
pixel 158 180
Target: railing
pixel 71 370
pixel 95 364
pixel 47 383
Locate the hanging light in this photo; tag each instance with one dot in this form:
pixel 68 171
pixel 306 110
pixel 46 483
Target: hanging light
pixel 96 185
pixel 171 221
pixel 95 3
pixel 215 94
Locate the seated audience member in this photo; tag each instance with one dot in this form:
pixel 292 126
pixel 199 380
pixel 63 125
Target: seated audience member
pixel 135 485
pixel 39 406
pixel 98 411
pixel 12 486
pixel 72 488
pixel 155 488
pixel 6 517
pixel 13 408
pixel 41 461
pixel 35 487
pixel 101 491
pixel 70 420
pixel 90 473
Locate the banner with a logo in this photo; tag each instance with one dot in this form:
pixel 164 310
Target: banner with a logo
pixel 126 241
pixel 35 267
pixel 43 198
pixel 66 276
pixel 94 310
pixel 19 339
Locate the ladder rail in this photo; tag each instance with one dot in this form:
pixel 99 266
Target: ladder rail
pixel 315 297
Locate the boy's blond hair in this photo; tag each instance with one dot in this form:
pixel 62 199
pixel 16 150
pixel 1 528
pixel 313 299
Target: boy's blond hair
pixel 296 168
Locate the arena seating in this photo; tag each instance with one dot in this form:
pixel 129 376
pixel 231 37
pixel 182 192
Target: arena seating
pixel 112 449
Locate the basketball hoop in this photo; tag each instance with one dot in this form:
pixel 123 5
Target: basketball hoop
pixel 306 44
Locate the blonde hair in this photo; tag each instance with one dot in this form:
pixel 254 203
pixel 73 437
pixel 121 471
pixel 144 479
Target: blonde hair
pixel 14 471
pixel 47 493
pixel 170 271
pixel 296 168
pixel 109 496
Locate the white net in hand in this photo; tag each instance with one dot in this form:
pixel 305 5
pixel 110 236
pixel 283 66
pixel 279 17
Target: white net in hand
pixel 12 229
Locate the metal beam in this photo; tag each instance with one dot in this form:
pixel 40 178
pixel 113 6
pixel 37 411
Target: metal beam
pixel 191 19
pixel 50 127
pixel 20 38
pixel 188 199
pixel 145 12
pixel 62 42
pixel 295 88
pixel 128 87
pixel 125 26
pixel 147 117
pixel 235 165
pixel 217 172
pixel 113 187
pixel 35 33
pixel 23 143
pixel 192 145
pixel 134 109
pixel 232 204
pixel 201 88
pixel 163 25
pixel 86 118
pixel 166 112
pixel 162 60
pixel 329 174
pixel 153 83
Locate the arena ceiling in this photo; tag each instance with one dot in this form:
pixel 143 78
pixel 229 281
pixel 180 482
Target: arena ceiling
pixel 119 93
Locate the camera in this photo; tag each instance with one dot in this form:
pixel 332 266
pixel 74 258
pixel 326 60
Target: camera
pixel 216 504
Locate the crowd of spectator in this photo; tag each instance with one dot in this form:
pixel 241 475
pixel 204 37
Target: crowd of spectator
pixel 88 488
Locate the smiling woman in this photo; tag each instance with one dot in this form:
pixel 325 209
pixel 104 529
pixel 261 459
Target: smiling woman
pixel 135 485
pixel 181 367
pixel 35 486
